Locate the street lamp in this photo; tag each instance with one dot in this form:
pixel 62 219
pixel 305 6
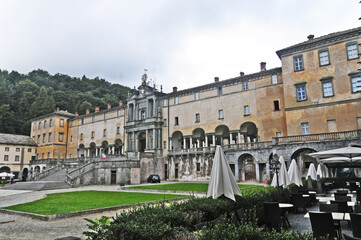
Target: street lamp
pixel 275 166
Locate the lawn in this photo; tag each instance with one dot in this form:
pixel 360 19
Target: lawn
pixel 83 200
pixel 189 187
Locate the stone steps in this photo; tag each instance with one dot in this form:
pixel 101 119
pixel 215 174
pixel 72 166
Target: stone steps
pixel 37 185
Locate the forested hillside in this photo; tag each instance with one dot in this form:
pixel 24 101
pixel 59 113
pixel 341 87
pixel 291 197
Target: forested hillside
pixel 25 96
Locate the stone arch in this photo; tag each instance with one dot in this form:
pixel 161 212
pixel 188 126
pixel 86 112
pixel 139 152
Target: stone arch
pixel 247 171
pixel 303 160
pixel 37 169
pixel 25 174
pixel 249 131
pixel 222 134
pixel 81 150
pixel 118 145
pixel 5 169
pixel 177 140
pixel 92 149
pixel 105 146
pixel 142 139
pixel 198 136
pixel 43 169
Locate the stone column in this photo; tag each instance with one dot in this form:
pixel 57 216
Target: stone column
pixel 135 144
pixel 214 139
pixel 146 139
pixel 159 137
pixel 206 141
pixel 190 142
pixel 154 137
pixel 257 172
pixel 239 137
pixel 230 138
pixel 184 143
pixel 198 143
pixel 170 144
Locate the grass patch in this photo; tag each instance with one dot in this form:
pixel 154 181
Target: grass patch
pixel 190 187
pixel 83 200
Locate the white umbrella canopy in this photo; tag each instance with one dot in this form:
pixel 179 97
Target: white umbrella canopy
pixel 322 171
pixel 5 174
pixel 294 173
pixel 283 178
pixel 222 180
pixel 347 152
pixel 312 172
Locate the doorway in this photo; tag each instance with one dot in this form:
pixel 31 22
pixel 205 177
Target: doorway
pixel 113 177
pixel 142 141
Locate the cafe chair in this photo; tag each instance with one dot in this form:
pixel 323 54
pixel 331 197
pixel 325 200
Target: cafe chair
pixel 273 216
pixel 322 225
pixel 356 224
pixel 357 208
pixel 298 202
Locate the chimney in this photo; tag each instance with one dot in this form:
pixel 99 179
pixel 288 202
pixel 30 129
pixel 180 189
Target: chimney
pixel 175 89
pixel 97 109
pixel 87 111
pixel 263 66
pixel 120 103
pixel 216 79
pixel 109 106
pixel 76 114
pixel 310 37
pixel 241 73
pixel 57 109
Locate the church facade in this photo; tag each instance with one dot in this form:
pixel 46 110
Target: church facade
pixel 317 90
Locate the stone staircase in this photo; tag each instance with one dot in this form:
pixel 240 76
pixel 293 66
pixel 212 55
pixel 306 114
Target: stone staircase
pixel 55 180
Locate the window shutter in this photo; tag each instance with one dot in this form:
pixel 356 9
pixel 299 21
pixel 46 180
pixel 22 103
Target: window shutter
pixel 331 124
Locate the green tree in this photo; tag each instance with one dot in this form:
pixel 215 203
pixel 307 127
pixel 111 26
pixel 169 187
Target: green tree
pixel 84 106
pixel 43 103
pixel 7 119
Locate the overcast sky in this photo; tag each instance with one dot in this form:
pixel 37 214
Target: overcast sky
pixel 183 43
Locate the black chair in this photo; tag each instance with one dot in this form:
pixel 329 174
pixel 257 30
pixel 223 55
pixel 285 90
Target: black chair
pixel 348 237
pixel 322 225
pixel 356 224
pixel 357 208
pixel 324 207
pixel 273 216
pixel 343 198
pixel 342 206
pixel 340 191
pixel 298 201
pixel 340 194
pixel 239 213
pixel 353 186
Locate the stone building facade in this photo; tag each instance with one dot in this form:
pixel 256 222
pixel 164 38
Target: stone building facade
pixel 317 90
pixel 16 152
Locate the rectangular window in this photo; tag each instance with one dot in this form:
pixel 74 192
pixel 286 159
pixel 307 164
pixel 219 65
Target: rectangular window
pixel 44 137
pixel 246 110
pixel 118 113
pixel 7 149
pixel 93 118
pixel 352 51
pixel 49 137
pixel 331 125
pixel 274 79
pixel 61 137
pixel 298 63
pixel 220 114
pixel 17 158
pixel 165 144
pixel 324 57
pixel 196 95
pixel 29 149
pixel 45 124
pixel 71 138
pixel 245 85
pixel 276 105
pixel 42 156
pixel 301 93
pixel 356 84
pixel 358 120
pixel 176 100
pixel 198 167
pixel 220 91
pixel 82 121
pixel 164 122
pixel 61 124
pixel 105 115
pixel 50 122
pixel 198 118
pixel 48 155
pixel 327 89
pixel 278 134
pixel 92 134
pixel 6 157
pixel 72 123
pixel 118 130
pixel 34 126
pixel 104 133
pixel 38 139
pixel 39 125
pixel 81 136
pixel 165 102
pixel 305 128
pixel 176 121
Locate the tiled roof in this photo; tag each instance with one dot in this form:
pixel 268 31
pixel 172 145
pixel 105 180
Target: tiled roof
pixel 329 38
pixel 13 139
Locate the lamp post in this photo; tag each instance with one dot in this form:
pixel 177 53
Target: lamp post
pixel 275 166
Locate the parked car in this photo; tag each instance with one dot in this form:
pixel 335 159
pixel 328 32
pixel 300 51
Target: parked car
pixel 153 178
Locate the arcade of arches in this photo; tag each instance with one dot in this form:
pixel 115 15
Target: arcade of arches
pixel 108 149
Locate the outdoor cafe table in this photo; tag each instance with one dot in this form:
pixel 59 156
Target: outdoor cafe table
pixel 335 215
pixel 284 207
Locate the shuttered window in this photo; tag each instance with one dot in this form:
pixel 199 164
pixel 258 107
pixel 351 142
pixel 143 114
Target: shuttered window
pixel 331 124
